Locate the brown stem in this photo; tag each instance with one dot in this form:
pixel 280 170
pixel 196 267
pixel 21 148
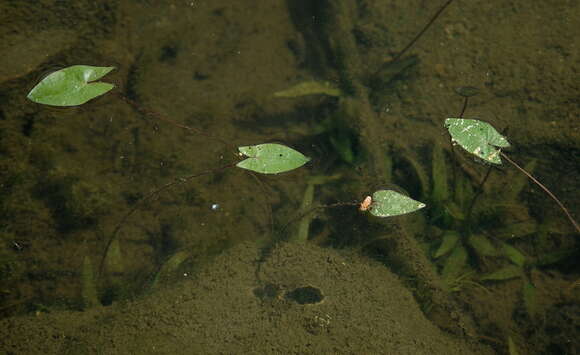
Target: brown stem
pixel 398 56
pixel 545 189
pixel 478 193
pixel 148 112
pixel 465 102
pixel 146 198
pixel 312 209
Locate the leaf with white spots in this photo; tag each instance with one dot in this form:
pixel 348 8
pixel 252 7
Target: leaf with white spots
pixel 387 203
pixel 477 137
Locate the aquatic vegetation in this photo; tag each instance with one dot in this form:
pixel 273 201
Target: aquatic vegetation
pixel 383 203
pixel 332 128
pixel 89 286
pixel 271 158
pixel 468 279
pixel 474 229
pixel 310 88
pixel 482 140
pixel 301 236
pixel 169 267
pixel 74 204
pixel 71 86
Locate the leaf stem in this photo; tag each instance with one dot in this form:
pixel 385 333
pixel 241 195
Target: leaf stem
pixel 148 112
pixel 562 207
pixel 398 56
pixel 147 197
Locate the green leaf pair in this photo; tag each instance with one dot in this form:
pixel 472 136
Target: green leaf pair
pixel 272 158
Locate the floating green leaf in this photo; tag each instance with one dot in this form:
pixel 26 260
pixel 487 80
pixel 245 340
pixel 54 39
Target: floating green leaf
pixel 477 137
pixel 271 158
pixel 71 86
pixel 387 203
pixel 309 88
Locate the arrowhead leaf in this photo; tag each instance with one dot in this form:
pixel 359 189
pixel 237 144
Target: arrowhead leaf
pixel 477 137
pixel 71 86
pixel 387 203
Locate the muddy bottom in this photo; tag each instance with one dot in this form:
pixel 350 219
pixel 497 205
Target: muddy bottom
pixel 300 300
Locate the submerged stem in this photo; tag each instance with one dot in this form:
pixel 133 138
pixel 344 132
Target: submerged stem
pixel 146 198
pixel 562 207
pixel 398 56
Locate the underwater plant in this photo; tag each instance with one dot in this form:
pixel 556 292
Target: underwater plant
pixel 71 87
pixel 470 225
pixel 482 140
pixel 455 207
pixel 477 231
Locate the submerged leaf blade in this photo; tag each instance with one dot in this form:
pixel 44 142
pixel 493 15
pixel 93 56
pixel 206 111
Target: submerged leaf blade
pixel 309 88
pixel 455 264
pixel 388 203
pixel 482 245
pixel 514 255
pixel 505 273
pixel 271 158
pixel 448 243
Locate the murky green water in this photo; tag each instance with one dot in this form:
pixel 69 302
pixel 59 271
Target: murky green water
pixel 116 199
